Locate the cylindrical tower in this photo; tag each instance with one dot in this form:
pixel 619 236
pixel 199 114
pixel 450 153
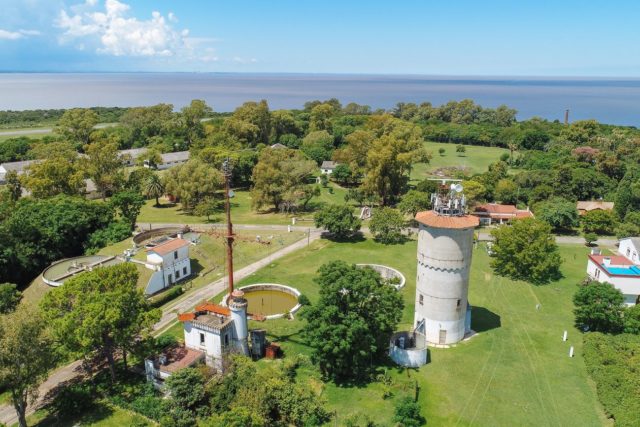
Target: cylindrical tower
pixel 445 243
pixel 238 308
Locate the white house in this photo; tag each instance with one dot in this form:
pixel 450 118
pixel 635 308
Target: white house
pixel 630 248
pixel 619 271
pixel 210 332
pixel 328 167
pixel 171 263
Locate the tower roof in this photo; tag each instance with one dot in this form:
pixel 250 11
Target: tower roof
pixel 432 219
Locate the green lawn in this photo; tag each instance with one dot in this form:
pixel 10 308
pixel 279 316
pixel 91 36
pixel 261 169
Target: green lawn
pixel 476 158
pixel 516 371
pixel 240 209
pixel 103 415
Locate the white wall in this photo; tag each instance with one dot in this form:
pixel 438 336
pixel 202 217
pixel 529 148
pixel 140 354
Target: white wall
pixel 628 250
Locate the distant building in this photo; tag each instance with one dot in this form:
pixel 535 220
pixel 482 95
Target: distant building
pixel 171 263
pixel 494 213
pixel 131 155
pixel 622 270
pixel 278 146
pixel 328 167
pixel 593 205
pixel 210 333
pixel 18 167
pixel 170 160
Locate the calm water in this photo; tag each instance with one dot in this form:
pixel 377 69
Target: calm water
pixel 607 100
pixel 269 302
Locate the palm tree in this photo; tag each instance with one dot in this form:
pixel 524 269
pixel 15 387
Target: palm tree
pixel 153 187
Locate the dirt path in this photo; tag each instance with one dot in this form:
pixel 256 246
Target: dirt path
pixel 7 413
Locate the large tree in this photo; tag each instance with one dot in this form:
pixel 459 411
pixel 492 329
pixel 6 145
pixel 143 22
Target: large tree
pixel 398 145
pixel 413 202
pixel 104 166
pixel 338 220
pixel 192 182
pixel 559 213
pixel 58 175
pixel 350 326
pixel 37 232
pixel 599 222
pixel 76 125
pixel 628 193
pixel 26 355
pixel 318 145
pixel 526 250
pixel 153 187
pixel 386 225
pixel 10 297
pixel 128 205
pixel 190 119
pixel 279 174
pixel 100 311
pixel 599 307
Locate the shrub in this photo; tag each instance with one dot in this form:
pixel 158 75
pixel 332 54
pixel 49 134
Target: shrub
pixel 407 413
pixel 589 238
pixel 304 300
pixel 386 225
pixel 612 362
pixel 167 296
pixel 599 307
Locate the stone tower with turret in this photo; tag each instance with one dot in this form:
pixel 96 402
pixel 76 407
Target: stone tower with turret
pixel 445 243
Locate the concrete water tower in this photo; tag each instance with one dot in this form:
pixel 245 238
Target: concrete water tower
pixel 445 243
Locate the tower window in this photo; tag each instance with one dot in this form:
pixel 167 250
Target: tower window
pixel 226 339
pixel 421 299
pixel 175 255
pixel 201 338
pixel 458 304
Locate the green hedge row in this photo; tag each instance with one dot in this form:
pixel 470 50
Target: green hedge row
pixel 614 364
pixel 167 296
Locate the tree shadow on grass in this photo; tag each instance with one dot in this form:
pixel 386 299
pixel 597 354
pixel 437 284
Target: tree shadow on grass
pixel 95 413
pixel 483 319
pixel 354 238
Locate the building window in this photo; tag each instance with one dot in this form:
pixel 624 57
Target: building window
pixel 597 273
pixel 177 274
pixel 628 252
pixel 184 271
pixel 226 339
pixel 458 304
pixel 201 338
pixel 421 299
pixel 175 255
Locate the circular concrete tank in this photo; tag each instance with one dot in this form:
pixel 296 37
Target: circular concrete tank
pixel 445 246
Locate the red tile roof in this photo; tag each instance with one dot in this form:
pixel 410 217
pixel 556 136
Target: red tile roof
pixel 614 259
pixel 186 317
pixel 432 219
pixel 179 358
pixel 495 210
pixel 169 246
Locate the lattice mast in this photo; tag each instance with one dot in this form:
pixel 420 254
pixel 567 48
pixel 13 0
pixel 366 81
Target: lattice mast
pixel 226 170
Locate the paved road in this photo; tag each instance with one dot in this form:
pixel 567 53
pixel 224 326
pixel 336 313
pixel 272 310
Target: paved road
pixel 66 373
pixel 39 131
pixel 578 240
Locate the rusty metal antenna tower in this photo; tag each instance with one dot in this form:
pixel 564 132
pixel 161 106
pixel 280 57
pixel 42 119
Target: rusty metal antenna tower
pixel 226 170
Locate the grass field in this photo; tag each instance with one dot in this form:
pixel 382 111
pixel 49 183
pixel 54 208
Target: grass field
pixel 476 158
pixel 103 415
pixel 240 209
pixel 516 371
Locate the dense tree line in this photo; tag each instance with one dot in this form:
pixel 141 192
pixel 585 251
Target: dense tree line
pixel 29 118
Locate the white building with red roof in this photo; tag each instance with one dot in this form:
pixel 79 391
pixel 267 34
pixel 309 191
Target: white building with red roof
pixel 619 270
pixel 495 213
pixel 170 259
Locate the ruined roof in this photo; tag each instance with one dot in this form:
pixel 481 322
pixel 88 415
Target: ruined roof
pixel 169 246
pixel 178 358
pixel 432 219
pixel 496 210
pixel 179 156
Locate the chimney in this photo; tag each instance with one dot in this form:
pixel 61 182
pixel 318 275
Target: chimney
pixel 606 261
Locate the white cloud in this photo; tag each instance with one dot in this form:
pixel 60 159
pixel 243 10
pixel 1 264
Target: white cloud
pixel 15 35
pixel 116 33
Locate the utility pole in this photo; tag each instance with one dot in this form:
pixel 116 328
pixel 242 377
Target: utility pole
pixel 226 169
pixel 566 117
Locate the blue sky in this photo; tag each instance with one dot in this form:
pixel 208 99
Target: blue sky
pixel 532 38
